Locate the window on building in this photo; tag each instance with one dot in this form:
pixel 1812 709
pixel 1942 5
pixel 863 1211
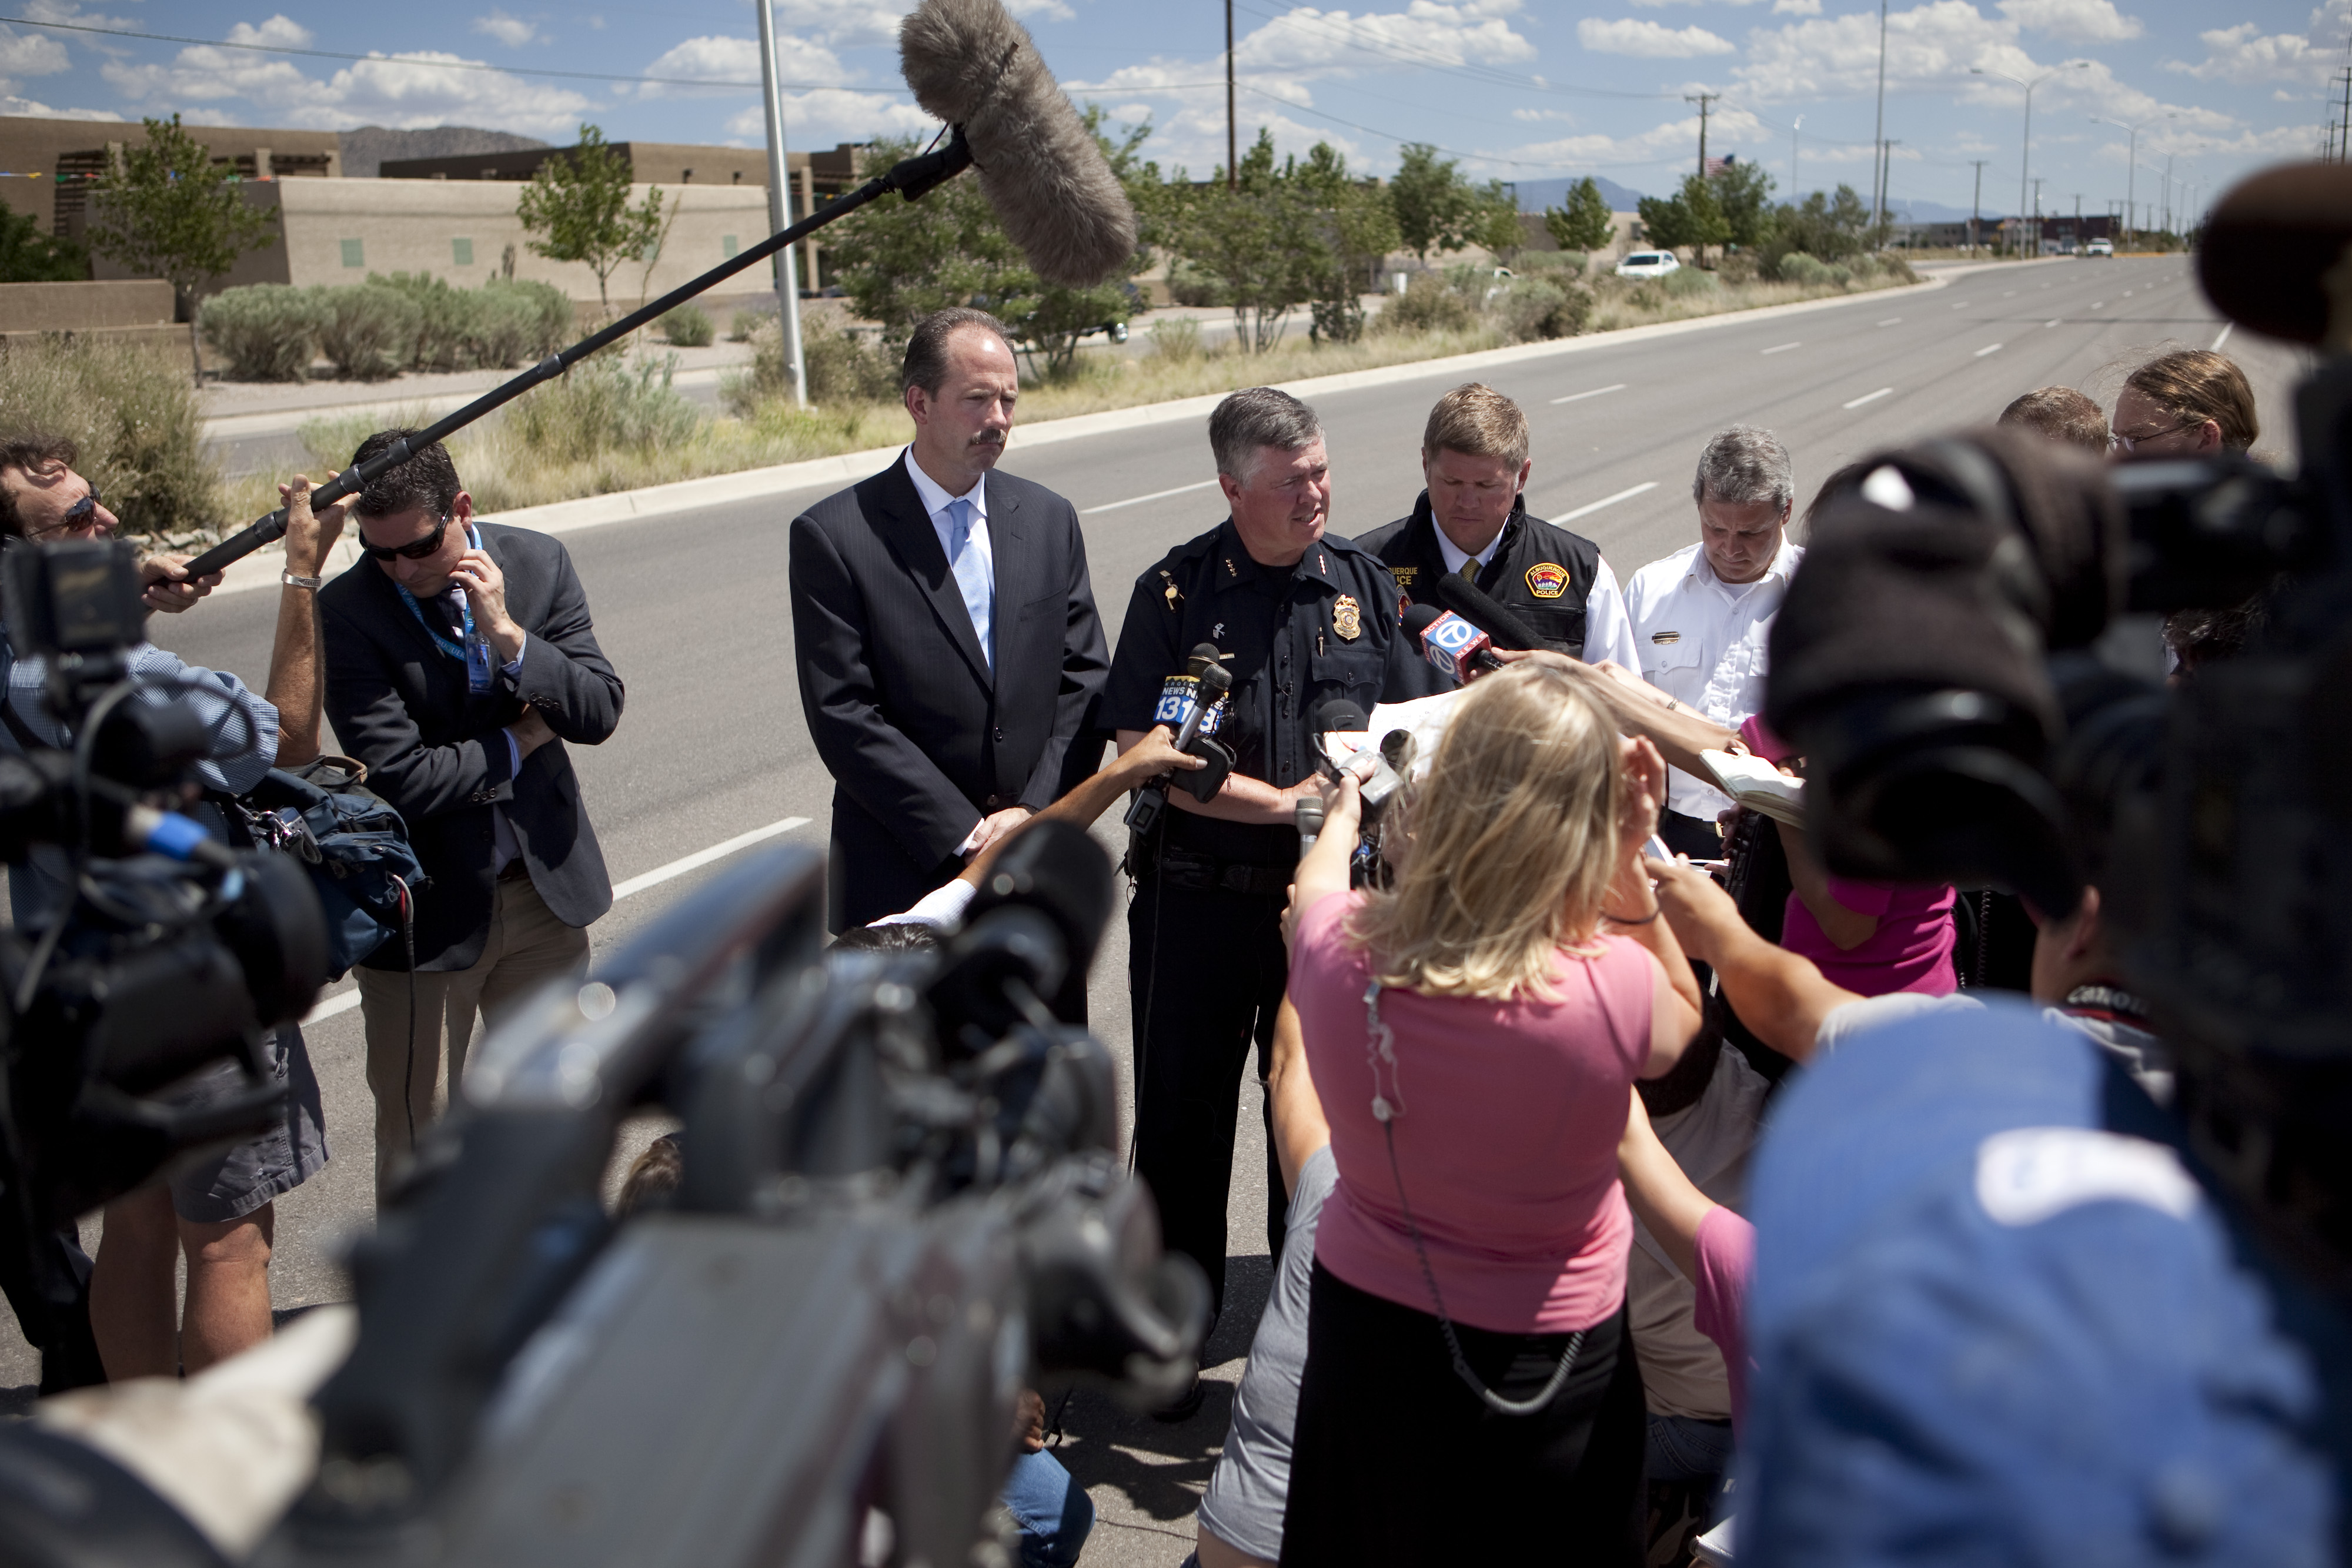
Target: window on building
pixel 727 245
pixel 461 250
pixel 354 253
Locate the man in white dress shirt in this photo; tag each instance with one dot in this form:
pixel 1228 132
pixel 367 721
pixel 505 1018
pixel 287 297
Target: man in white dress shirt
pixel 1703 616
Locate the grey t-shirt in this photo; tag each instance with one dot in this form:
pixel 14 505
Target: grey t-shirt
pixel 1250 1485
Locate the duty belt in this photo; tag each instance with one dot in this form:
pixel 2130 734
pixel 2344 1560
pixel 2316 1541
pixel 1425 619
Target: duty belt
pixel 1183 868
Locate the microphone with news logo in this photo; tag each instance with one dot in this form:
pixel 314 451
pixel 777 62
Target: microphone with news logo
pixel 1452 644
pixel 1194 702
pixel 1504 626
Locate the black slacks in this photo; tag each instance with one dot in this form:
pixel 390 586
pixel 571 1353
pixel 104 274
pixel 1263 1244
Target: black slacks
pixel 1207 971
pixel 1396 1460
pixel 46 1275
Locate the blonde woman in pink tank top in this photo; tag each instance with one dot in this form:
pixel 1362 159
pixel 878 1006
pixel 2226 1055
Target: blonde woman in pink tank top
pixel 1474 1030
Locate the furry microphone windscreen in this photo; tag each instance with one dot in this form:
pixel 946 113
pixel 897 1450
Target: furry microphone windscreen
pixel 971 65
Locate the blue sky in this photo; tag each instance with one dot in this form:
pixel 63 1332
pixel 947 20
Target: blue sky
pixel 1519 89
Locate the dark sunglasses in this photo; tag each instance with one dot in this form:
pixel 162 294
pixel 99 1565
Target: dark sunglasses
pixel 78 516
pixel 416 549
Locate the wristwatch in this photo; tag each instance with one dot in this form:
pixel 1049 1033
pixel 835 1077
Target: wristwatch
pixel 312 583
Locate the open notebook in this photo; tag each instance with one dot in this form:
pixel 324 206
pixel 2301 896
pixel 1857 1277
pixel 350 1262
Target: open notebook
pixel 1757 785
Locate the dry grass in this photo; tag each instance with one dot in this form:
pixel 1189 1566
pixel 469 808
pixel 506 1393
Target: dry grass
pixel 614 424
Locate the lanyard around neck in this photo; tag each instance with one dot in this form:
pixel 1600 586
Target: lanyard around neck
pixel 455 650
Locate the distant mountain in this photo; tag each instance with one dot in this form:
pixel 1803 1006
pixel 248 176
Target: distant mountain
pixel 1535 195
pixel 365 150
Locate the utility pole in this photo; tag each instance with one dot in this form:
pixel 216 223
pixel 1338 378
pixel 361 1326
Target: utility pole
pixel 2078 222
pixel 1976 205
pixel 1886 190
pixel 1233 138
pixel 1703 99
pixel 1877 136
pixel 2167 193
pixel 1793 156
pixel 2035 230
pixel 2344 131
pixel 779 206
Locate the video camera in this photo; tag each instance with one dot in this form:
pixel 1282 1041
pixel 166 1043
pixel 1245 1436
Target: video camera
pixel 167 953
pixel 1970 661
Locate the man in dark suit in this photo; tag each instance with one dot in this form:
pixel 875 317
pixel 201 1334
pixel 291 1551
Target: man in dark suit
pixel 460 660
pixel 949 648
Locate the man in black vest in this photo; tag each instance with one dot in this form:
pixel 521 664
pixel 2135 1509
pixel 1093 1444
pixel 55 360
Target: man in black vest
pixel 1473 520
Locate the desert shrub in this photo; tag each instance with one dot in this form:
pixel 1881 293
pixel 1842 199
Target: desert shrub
pixel 1190 285
pixel 553 321
pixel 445 328
pixel 844 366
pixel 508 326
pixel 1428 304
pixel 688 327
pixel 1739 267
pixel 132 412
pixel 262 332
pixel 1798 267
pixel 1899 269
pixel 746 322
pixel 1531 310
pixel 1688 283
pixel 604 405
pixel 367 332
pixel 1176 341
pixel 1551 264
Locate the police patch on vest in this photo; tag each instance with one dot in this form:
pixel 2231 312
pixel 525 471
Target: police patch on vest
pixel 1347 618
pixel 1405 574
pixel 1546 580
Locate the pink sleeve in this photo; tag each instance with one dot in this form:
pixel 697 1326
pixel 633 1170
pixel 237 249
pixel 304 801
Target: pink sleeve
pixel 1631 976
pixel 1863 897
pixel 1726 1249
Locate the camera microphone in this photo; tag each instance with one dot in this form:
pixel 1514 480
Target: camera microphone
pixel 1194 702
pixel 1451 642
pixel 1503 625
pixel 1210 683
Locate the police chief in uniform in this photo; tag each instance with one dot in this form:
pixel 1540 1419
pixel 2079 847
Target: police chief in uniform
pixel 1473 520
pixel 1300 619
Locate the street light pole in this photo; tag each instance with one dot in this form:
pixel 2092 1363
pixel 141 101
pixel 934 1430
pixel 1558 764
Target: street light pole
pixel 1976 206
pixel 1793 156
pixel 2025 158
pixel 779 206
pixel 1878 136
pixel 1233 138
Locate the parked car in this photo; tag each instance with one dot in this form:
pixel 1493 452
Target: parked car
pixel 2099 247
pixel 1648 264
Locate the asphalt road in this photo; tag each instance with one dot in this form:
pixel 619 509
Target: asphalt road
pixel 692 610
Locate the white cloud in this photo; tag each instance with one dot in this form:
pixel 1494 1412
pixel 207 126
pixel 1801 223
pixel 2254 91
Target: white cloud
pixel 1426 31
pixel 512 31
pixel 725 60
pixel 71 11
pixel 1648 40
pixel 1052 10
pixel 844 23
pixel 1671 147
pixel 828 115
pixel 11 104
pixel 2245 56
pixel 1796 7
pixel 402 94
pixel 278 33
pixel 31 54
pixel 2080 21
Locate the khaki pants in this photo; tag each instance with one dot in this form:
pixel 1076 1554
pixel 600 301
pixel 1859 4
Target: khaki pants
pixel 527 947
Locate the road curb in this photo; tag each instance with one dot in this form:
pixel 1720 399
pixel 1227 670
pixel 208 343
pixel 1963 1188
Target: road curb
pixel 261 568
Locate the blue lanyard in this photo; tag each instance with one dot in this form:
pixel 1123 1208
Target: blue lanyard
pixel 471 652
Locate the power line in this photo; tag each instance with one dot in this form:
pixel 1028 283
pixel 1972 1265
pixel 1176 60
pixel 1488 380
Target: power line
pixel 432 64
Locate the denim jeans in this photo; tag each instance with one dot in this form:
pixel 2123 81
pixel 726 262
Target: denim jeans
pixel 1053 1514
pixel 1684 1449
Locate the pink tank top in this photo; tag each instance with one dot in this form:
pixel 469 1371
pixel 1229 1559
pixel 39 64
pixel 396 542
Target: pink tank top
pixel 1507 1141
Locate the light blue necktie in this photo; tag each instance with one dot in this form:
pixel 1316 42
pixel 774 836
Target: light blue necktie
pixel 971 576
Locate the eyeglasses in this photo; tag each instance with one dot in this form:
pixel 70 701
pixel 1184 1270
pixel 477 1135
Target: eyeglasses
pixel 82 513
pixel 2118 441
pixel 416 549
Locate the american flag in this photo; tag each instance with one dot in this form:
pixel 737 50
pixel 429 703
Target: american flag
pixel 1718 165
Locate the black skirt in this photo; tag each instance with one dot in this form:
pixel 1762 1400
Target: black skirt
pixel 1397 1460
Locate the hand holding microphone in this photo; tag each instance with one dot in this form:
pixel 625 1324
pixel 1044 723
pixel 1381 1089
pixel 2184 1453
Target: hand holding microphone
pixel 1452 644
pixel 1194 702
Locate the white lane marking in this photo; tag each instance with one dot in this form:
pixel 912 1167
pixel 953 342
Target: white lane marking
pixel 1964 305
pixel 1890 320
pixel 2225 336
pixel 2128 294
pixel 1780 348
pixel 1138 501
pixel 346 1001
pixel 1987 349
pixel 1870 397
pixel 1580 397
pixel 2098 304
pixel 2011 295
pixel 1586 511
pixel 2050 323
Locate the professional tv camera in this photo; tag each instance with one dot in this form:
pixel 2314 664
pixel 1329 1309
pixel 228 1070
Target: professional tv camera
pixel 172 953
pixel 1970 661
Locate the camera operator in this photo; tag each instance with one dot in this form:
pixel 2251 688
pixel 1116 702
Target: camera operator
pixel 218 1213
pixel 1503 997
pixel 1302 619
pixel 1471 519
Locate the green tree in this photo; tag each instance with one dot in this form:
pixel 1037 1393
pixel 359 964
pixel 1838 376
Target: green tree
pixel 1494 224
pixel 1436 206
pixel 1258 239
pixel 165 211
pixel 1584 223
pixel 578 200
pixel 1744 192
pixel 1355 225
pixel 29 256
pixel 1825 228
pixel 1690 216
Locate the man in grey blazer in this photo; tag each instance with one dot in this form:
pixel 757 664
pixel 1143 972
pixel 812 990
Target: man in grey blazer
pixel 950 652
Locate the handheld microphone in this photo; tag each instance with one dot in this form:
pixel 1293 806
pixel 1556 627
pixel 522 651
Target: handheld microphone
pixel 1503 625
pixel 1309 815
pixel 971 64
pixel 1451 642
pixel 1208 703
pixel 1194 702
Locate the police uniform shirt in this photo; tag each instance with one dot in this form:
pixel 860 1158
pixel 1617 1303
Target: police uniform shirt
pixel 1294 637
pixel 1556 580
pixel 1705 643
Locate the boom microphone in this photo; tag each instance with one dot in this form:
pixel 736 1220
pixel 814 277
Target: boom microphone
pixel 1451 642
pixel 1502 624
pixel 971 65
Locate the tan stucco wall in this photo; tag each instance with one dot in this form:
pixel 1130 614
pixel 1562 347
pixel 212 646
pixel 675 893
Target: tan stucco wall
pixel 76 307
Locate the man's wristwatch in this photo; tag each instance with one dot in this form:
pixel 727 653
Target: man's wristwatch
pixel 312 583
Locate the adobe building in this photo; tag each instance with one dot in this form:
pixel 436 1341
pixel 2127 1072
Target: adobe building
pixel 46 165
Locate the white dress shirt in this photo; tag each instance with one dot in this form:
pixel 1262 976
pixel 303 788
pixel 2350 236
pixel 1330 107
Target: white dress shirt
pixel 1705 643
pixel 935 502
pixel 1608 634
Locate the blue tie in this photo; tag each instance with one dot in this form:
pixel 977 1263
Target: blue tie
pixel 971 575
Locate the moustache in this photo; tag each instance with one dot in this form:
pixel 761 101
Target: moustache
pixel 988 438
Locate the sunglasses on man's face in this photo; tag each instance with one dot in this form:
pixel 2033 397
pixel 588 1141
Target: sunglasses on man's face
pixel 416 549
pixel 82 513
